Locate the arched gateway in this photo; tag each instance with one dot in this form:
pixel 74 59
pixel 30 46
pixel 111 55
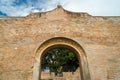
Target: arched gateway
pixel 61 42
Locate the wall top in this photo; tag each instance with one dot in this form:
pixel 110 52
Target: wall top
pixel 58 12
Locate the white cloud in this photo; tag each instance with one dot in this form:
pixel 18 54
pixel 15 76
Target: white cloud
pixel 7 7
pixel 94 7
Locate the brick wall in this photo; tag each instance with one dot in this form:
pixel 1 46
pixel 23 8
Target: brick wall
pixel 98 36
pixel 66 76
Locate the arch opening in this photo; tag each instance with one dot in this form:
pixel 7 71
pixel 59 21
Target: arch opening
pixel 64 43
pixel 60 62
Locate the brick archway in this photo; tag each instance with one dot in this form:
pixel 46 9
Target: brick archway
pixel 66 42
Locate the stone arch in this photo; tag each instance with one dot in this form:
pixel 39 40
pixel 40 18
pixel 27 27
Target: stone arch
pixel 66 42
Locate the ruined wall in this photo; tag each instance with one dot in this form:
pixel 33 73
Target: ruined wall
pixel 20 37
pixel 66 76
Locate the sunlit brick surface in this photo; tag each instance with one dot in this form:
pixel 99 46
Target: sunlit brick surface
pixel 20 37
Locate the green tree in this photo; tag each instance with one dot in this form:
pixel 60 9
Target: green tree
pixel 59 60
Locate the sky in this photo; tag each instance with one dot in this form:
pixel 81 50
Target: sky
pixel 93 7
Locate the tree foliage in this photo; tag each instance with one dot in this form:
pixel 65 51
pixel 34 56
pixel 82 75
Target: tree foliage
pixel 59 60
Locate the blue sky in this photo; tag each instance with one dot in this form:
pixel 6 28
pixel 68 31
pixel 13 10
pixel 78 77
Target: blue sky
pixel 93 7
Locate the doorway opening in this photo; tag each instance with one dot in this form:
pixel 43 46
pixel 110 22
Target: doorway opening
pixel 60 62
pixel 61 43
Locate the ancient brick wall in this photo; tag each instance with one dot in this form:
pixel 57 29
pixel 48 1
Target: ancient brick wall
pixel 66 76
pixel 21 36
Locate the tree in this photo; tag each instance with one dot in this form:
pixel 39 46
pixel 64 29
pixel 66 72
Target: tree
pixel 59 60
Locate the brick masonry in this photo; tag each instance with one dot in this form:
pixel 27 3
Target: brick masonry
pixel 21 36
